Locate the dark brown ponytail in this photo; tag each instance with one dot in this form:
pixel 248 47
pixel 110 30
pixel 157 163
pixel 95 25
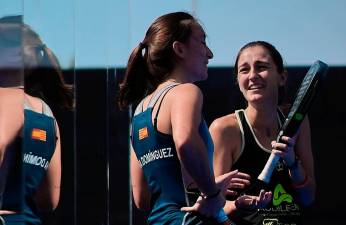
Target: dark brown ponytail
pixel 151 62
pixel 135 85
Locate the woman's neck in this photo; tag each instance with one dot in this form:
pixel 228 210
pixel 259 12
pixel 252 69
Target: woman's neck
pixel 262 117
pixel 180 75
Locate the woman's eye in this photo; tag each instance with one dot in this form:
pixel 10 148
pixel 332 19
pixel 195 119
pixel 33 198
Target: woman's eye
pixel 242 70
pixel 261 68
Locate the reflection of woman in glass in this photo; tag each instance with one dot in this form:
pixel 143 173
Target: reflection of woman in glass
pixel 21 48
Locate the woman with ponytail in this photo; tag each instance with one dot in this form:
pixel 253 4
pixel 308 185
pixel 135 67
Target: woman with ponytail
pixel 171 146
pixel 30 164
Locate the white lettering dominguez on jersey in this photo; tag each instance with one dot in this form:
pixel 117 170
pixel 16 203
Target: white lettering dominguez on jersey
pixel 35 160
pixel 155 155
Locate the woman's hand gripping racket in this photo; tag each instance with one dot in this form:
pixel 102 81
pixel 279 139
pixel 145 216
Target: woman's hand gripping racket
pixel 304 97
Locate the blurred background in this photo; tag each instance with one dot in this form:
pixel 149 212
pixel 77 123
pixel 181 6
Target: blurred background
pixel 93 39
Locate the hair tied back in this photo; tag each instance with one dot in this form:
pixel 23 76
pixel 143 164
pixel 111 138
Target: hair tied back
pixel 142 45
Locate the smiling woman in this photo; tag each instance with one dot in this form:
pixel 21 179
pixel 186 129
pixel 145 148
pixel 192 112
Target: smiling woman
pixel 244 140
pixel 254 67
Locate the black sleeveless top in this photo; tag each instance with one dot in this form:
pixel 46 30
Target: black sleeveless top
pixel 284 208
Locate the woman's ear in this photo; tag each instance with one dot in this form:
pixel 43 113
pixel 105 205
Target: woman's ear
pixel 179 49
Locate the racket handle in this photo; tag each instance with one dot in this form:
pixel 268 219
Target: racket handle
pixel 268 169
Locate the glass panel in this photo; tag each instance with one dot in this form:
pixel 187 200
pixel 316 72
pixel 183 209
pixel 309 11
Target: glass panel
pixel 102 164
pixel 51 78
pixel 10 44
pixel 11 107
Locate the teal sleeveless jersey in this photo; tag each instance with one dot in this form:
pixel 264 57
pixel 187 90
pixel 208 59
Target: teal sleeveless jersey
pixel 158 158
pixel 39 139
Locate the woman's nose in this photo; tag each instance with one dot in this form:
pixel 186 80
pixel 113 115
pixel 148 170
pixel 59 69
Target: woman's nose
pixel 253 74
pixel 209 53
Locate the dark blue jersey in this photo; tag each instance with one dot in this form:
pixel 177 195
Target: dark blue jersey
pixel 158 158
pixel 39 140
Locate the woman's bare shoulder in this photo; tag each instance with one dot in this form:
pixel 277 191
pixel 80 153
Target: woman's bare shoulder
pixel 11 92
pixel 227 125
pixel 11 95
pixel 186 89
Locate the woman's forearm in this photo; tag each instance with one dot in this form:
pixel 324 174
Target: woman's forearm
pixel 195 161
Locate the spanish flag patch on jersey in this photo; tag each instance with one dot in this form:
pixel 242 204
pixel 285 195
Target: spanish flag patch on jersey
pixel 38 134
pixel 143 133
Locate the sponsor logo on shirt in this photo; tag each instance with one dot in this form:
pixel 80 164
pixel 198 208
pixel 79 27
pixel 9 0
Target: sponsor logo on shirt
pixel 270 222
pixel 280 195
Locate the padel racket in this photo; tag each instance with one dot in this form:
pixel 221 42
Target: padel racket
pixel 303 100
pixel 304 97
